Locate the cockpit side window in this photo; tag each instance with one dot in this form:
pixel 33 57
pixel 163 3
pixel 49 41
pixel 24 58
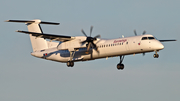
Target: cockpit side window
pixel 144 38
pixel 151 38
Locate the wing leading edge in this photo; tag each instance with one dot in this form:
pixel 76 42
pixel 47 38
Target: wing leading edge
pixel 49 36
pixel 167 40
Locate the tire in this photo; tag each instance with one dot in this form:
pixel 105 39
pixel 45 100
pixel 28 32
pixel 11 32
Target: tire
pixel 120 66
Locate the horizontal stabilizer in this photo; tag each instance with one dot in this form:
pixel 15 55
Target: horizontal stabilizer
pixel 49 36
pixel 166 40
pixel 33 21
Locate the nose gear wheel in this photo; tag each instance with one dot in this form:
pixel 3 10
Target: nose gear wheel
pixel 156 55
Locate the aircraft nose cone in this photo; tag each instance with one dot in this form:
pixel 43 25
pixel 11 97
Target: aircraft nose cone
pixel 160 46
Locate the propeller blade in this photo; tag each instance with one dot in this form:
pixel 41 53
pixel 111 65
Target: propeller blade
pixel 97 36
pixel 84 32
pixel 144 33
pixel 83 41
pixel 94 46
pixel 135 33
pixel 91 30
pixel 166 40
pixel 91 55
pixel 89 45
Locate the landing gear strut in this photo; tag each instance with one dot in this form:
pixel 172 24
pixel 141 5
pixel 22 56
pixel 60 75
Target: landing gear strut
pixel 70 63
pixel 156 55
pixel 120 65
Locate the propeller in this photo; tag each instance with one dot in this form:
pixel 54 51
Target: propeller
pixel 144 32
pixel 90 40
pixel 135 33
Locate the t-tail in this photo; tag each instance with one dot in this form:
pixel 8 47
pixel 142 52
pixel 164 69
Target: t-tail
pixel 34 26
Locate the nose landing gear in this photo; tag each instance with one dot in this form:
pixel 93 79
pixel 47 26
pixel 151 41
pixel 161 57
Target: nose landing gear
pixel 156 55
pixel 120 66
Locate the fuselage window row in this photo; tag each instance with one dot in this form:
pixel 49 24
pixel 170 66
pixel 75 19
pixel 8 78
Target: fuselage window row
pixel 110 45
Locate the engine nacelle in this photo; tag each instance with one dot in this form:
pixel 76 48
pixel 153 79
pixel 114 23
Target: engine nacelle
pixel 70 45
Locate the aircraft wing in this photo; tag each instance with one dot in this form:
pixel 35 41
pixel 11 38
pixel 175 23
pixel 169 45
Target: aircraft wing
pixel 49 36
pixel 167 40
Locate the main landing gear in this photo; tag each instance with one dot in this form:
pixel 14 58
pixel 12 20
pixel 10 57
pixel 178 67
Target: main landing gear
pixel 70 63
pixel 120 66
pixel 156 55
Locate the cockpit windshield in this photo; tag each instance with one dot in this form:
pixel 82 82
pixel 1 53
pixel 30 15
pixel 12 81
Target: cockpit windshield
pixel 150 38
pixel 147 38
pixel 144 38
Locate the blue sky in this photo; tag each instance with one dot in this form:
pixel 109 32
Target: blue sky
pixel 26 78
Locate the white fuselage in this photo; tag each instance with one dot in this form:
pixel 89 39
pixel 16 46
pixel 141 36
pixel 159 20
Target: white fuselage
pixel 106 48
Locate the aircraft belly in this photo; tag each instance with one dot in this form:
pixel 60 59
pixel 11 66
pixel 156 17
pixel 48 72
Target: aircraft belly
pixel 57 57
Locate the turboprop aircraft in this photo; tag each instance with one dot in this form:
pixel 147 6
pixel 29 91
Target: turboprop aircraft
pixel 70 49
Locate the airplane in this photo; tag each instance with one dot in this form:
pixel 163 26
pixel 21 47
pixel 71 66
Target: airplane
pixel 70 49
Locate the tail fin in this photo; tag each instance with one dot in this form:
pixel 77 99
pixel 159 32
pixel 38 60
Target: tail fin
pixel 34 26
pixel 37 43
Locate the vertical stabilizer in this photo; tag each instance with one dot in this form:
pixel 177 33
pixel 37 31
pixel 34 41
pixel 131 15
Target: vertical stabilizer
pixel 34 26
pixel 37 43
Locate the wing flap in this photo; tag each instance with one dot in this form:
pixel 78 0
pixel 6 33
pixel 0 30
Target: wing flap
pixel 49 36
